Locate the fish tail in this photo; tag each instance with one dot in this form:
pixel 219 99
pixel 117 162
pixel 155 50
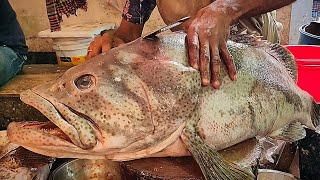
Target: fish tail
pixel 212 165
pixel 315 116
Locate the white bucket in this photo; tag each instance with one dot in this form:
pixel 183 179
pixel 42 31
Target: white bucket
pixel 72 42
pixel 71 51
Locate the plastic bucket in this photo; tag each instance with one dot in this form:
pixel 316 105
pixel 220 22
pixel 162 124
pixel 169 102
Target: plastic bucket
pixel 72 41
pixel 71 51
pixel 308 64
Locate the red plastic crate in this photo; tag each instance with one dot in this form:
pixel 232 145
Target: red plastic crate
pixel 308 64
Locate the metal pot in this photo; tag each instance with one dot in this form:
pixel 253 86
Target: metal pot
pixel 83 169
pixel 269 174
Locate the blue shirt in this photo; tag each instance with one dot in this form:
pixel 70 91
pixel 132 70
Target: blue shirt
pixel 138 11
pixel 11 34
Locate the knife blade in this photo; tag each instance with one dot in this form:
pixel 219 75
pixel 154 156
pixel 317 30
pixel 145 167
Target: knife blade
pixel 152 35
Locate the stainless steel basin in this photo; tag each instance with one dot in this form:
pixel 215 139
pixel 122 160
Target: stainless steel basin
pixel 83 169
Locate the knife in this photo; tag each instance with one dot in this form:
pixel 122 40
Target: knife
pixel 152 36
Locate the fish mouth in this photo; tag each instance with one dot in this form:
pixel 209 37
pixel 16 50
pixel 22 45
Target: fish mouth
pixel 68 125
pixel 50 128
pixel 47 128
pixel 47 139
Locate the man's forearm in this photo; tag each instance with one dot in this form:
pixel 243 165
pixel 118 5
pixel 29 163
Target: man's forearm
pixel 128 31
pixel 247 8
pixel 267 6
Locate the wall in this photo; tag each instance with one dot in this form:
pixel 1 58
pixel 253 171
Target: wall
pixel 301 15
pixel 33 19
pixel 284 16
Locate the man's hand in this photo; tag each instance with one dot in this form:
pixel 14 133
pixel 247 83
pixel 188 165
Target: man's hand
pixel 206 37
pixel 103 44
pixel 126 32
pixel 208 32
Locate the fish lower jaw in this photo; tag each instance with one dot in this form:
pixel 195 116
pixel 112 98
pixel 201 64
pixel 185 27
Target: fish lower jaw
pixel 65 152
pixel 47 139
pixel 43 132
pixel 60 114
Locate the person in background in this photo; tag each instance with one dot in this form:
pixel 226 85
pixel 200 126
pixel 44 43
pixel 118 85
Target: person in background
pixel 13 48
pixel 207 31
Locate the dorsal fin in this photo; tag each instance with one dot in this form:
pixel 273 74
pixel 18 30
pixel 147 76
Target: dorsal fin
pixel 248 39
pixel 285 57
pixel 276 50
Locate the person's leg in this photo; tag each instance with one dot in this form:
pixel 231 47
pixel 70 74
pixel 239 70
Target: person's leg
pixel 10 64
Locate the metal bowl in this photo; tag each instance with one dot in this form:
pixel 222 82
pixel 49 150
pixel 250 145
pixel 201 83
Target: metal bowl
pixel 269 174
pixel 83 169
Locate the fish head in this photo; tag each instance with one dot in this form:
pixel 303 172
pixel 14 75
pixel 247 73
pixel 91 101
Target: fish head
pixel 117 105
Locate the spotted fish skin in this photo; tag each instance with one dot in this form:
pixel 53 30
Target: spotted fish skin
pixel 135 101
pixel 263 99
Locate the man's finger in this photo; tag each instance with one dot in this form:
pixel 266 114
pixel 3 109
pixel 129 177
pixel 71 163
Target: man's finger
pixel 95 47
pixel 204 58
pixel 228 61
pixel 215 64
pixel 193 47
pixel 89 51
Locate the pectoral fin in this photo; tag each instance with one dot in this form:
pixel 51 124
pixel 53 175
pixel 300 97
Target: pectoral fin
pixel 291 132
pixel 212 165
pixel 244 154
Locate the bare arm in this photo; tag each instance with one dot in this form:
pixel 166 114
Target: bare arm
pixel 209 31
pixel 264 6
pixel 128 31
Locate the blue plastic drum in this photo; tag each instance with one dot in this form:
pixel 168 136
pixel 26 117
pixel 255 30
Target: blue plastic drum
pixel 309 34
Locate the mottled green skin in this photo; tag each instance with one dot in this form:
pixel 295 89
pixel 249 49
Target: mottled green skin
pixel 264 98
pixel 144 91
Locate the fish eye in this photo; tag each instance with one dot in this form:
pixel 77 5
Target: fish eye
pixel 84 82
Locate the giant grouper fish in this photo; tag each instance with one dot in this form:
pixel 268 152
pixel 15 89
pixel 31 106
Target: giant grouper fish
pixel 142 100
